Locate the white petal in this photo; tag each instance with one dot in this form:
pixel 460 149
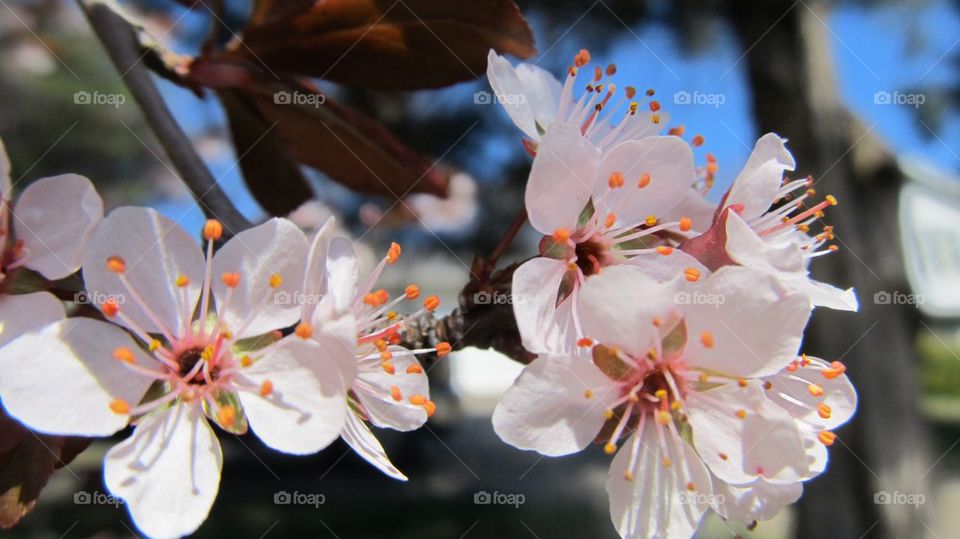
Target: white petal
pixel 668 161
pixel 561 180
pixel 759 501
pixel 157 251
pixel 358 436
pixel 314 278
pixel 548 408
pixel 307 408
pixel 757 185
pixel 755 325
pixel 376 390
pixel 765 442
pixel 747 249
pixel 276 247
pixel 167 472
pixel 693 206
pixel 62 379
pixel 667 267
pixel 823 294
pixel 27 312
pixel 54 217
pixel 529 94
pixel 791 390
pixel 343 274
pixel 657 502
pixel 543 326
pixel 618 307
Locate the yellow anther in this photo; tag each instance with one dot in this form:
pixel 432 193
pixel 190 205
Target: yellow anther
pixel 275 280
pixel 182 281
pixel 666 462
pixel 831 199
pixel 660 394
pixel 608 414
pixel 703 378
pixel 227 415
pixel 610 448
pixel 692 274
pixel 741 413
pixel 120 406
pixel 588 394
pixel 655 119
pixel 628 475
pixel 246 361
pixel 651 220
pixel 663 417
pixel 391 315
pixel 665 250
pixel 155 345
pixel 815 390
pixel 207 353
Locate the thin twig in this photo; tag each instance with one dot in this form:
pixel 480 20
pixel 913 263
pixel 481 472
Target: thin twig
pixel 121 42
pixel 506 240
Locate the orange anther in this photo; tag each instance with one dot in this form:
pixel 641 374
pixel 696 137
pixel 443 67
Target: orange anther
pixel 418 400
pixel 227 415
pixel 116 264
pixel 414 369
pixel 741 413
pixel 124 354
pixel 584 342
pixel 644 180
pixel 815 390
pixel 692 274
pixel 430 408
pixel 395 393
pixel 685 224
pixel 110 308
pixel 824 410
pixel 431 303
pixel 393 254
pixel 443 348
pixel 615 180
pixel 611 220
pixel 561 235
pixel 275 280
pixel 388 367
pixel 412 291
pixel 665 250
pixel 827 438
pixel 246 361
pixel 182 281
pixel 231 280
pixel 212 229
pixel 304 330
pixel 677 131
pixel 706 339
pixel 697 141
pixel 654 106
pixel 120 407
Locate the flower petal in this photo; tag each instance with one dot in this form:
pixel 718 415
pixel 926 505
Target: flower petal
pixel 562 178
pixel 529 94
pixel 343 274
pixel 307 406
pixel 358 436
pixel 761 500
pixel 274 248
pixel 54 217
pixel 156 251
pixel 63 378
pixel 667 267
pixel 746 248
pixel 669 163
pixel 758 183
pixel 314 277
pixel 751 325
pixel 657 501
pixel 544 326
pixel 167 471
pixel 555 407
pixel 823 294
pixel 695 207
pixel 792 391
pixel 24 313
pixel 618 308
pixel 742 436
pixel 377 391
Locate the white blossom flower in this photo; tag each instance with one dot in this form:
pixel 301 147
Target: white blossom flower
pixel 220 361
pixel 595 210
pixel 389 388
pixel 50 224
pixel 676 373
pixel 761 223
pixel 536 102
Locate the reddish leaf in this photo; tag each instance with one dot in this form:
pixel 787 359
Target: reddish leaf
pixel 351 148
pixel 271 174
pixel 384 44
pixel 27 460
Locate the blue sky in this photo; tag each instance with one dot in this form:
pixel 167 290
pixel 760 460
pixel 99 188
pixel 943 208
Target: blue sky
pixel 890 49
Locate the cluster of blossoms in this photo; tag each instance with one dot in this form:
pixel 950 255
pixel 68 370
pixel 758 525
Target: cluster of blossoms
pixel 188 337
pixel 667 327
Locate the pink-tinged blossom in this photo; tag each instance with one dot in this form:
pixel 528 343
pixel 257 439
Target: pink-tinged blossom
pixel 190 338
pixel 765 224
pixel 357 325
pixel 679 388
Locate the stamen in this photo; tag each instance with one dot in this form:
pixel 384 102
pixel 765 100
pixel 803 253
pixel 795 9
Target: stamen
pixel 393 254
pixel 212 230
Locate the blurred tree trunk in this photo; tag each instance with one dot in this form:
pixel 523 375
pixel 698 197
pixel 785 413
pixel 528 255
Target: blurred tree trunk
pixel 791 73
